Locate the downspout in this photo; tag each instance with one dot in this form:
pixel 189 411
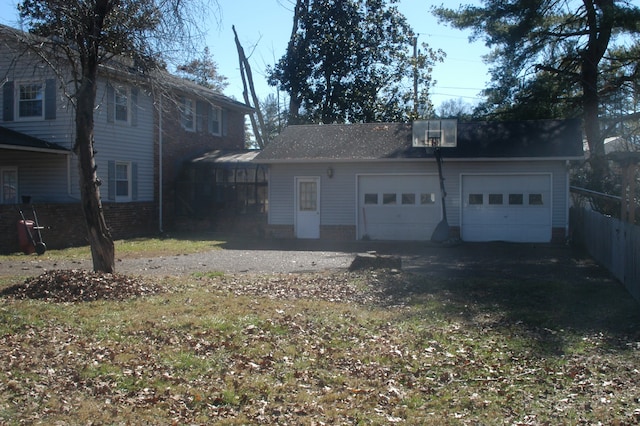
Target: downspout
pixel 160 186
pixel 567 225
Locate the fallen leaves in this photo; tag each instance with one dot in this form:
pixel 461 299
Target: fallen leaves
pixel 318 348
pixel 76 285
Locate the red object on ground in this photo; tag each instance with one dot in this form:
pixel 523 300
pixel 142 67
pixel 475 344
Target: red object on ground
pixel 25 236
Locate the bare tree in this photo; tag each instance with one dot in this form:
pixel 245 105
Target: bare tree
pixel 78 37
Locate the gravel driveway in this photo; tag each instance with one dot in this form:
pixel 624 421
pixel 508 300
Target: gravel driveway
pixel 525 261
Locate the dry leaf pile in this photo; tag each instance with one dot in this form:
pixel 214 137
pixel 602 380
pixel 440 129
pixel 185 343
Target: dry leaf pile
pixel 75 285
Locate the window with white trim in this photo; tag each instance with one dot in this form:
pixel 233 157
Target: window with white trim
pixel 8 185
pixel 123 181
pixel 121 104
pixel 30 100
pixel 215 115
pixel 188 114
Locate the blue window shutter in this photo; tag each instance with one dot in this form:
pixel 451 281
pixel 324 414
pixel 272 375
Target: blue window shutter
pixel 134 181
pixel 111 96
pixel 50 99
pixel 111 181
pixel 134 106
pixel 7 101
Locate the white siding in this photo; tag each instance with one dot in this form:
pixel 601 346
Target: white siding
pixel 338 198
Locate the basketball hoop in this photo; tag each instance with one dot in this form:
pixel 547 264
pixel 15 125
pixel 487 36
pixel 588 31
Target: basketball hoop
pixel 435 134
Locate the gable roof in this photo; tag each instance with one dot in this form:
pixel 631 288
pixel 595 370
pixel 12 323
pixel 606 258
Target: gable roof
pixel 123 69
pixel 535 139
pixel 11 139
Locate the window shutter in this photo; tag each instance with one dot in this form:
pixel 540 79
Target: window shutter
pixel 134 106
pixel 7 101
pixel 110 106
pixel 50 99
pixel 111 181
pixel 134 181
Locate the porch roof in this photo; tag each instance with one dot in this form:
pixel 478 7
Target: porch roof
pixel 14 140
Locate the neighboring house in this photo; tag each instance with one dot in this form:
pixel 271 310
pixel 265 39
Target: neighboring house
pixel 504 181
pixel 141 143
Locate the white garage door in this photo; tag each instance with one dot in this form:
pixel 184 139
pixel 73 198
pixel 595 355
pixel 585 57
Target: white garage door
pixel 513 208
pixel 398 207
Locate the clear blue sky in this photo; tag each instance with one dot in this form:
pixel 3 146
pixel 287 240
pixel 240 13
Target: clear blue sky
pixel 264 27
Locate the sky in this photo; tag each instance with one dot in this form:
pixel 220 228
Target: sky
pixel 264 27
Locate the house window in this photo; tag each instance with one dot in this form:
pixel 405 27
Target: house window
pixel 476 199
pixel 123 181
pixel 389 199
pixel 535 200
pixel 408 199
pixel 516 199
pixel 308 196
pixel 428 198
pixel 495 199
pixel 121 104
pixel 8 185
pixel 371 198
pixel 30 100
pixel 214 120
pixel 187 112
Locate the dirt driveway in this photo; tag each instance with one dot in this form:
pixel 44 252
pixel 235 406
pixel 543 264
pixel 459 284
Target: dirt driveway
pixel 523 261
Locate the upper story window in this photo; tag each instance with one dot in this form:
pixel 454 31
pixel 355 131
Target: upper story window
pixel 187 113
pixel 215 120
pixel 30 100
pixel 121 104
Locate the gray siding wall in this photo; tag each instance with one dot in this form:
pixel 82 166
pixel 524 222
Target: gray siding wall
pixel 128 142
pixel 43 175
pixel 338 194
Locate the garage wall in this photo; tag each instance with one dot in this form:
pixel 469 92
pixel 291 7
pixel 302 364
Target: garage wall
pixel 338 194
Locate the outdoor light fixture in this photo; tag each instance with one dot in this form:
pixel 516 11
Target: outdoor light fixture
pixel 330 172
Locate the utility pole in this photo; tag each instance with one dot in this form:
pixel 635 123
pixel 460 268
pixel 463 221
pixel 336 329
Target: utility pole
pixel 415 76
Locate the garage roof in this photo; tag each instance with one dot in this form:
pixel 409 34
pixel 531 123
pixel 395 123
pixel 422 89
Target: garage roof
pixel 535 139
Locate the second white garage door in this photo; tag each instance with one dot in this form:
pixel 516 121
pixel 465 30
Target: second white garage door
pixel 398 207
pixel 513 208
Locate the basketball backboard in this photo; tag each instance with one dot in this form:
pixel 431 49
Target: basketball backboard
pixel 435 133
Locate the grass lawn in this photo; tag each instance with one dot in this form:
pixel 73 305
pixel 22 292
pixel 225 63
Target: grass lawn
pixel 340 348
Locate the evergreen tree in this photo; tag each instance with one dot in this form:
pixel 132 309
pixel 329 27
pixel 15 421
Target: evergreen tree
pixel 352 61
pixel 549 57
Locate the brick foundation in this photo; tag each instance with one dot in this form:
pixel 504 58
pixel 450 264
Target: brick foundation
pixel 338 233
pixel 65 225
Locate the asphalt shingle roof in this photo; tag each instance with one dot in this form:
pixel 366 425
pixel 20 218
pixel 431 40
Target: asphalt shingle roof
pixel 378 141
pixel 16 140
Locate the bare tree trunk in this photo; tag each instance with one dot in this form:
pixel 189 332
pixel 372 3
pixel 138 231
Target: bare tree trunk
pixel 600 29
pixel 102 249
pixel 258 128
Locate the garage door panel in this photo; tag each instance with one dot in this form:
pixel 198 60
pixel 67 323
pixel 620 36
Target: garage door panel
pixel 506 208
pixel 398 207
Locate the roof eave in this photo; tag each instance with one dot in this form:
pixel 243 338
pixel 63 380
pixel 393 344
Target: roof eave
pixel 429 158
pixel 34 149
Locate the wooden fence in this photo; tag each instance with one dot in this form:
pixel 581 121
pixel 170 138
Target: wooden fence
pixel 612 243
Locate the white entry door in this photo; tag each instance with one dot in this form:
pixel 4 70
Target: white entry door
pixel 307 207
